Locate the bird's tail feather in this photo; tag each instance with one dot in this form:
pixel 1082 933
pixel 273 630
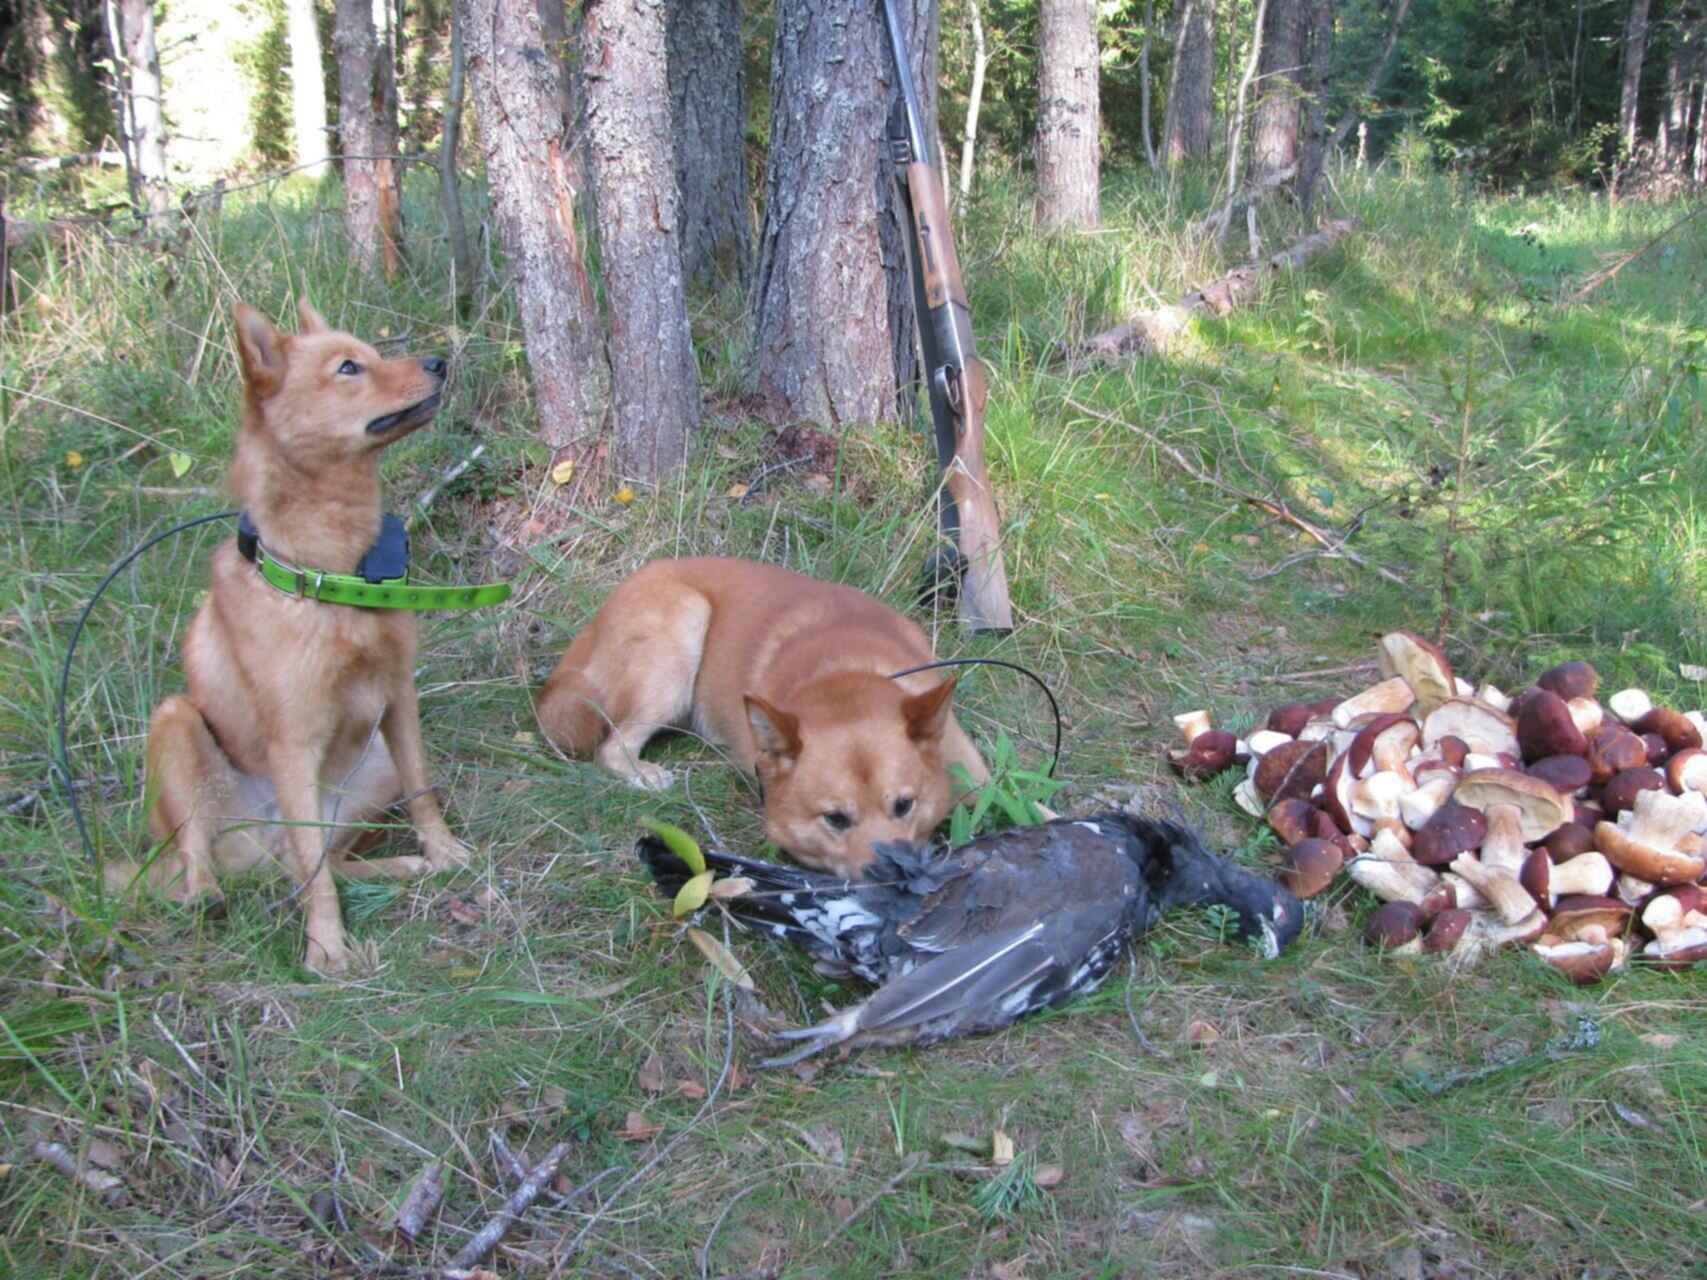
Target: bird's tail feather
pixel 763 902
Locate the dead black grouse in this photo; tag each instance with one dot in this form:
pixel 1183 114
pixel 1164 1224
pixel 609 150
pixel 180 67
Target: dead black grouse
pixel 965 940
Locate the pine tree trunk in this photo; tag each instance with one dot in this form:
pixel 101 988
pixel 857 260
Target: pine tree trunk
pixel 833 329
pixel 1274 120
pixel 1321 60
pixel 1068 116
pixel 1189 126
pixel 450 194
pixel 1635 49
pixel 367 133
pixel 1144 86
pixel 654 378
pixel 708 107
pixel 518 99
pixel 141 109
pixel 307 88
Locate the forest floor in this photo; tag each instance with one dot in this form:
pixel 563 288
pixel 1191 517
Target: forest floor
pixel 1529 467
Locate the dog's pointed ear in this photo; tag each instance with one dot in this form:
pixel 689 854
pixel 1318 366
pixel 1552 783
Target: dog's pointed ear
pixel 776 733
pixel 926 713
pixel 260 348
pixel 309 320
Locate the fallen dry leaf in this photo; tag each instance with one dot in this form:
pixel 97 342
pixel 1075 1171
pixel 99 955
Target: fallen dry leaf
pixel 464 912
pixel 105 1154
pixel 637 1128
pixel 841 1206
pixel 738 490
pixel 1049 1175
pixel 1014 1270
pixel 624 496
pixel 1001 1149
pixel 721 958
pixel 690 1089
pixel 731 887
pixel 825 1142
pixel 1659 1039
pixel 651 1075
pixel 554 1096
pixel 1200 1034
pixel 817 483
pixel 563 472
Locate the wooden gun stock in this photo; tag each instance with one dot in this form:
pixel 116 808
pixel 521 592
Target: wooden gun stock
pixel 984 604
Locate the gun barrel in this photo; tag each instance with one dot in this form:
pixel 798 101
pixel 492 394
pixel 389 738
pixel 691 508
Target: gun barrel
pixel 917 139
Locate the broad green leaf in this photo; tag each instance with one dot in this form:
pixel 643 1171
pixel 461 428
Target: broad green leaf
pixel 181 463
pixel 679 843
pixel 691 896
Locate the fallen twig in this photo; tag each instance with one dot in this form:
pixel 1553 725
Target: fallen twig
pixel 422 1200
pixel 1335 548
pixel 908 1167
pixel 1143 1040
pixel 427 499
pixel 1309 677
pixel 108 1186
pixel 520 1201
pixel 1602 276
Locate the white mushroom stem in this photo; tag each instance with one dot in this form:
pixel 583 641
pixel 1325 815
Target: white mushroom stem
pixel 1633 889
pixel 1265 740
pixel 1418 806
pixel 1467 895
pixel 1392 694
pixel 1588 873
pixel 1488 932
pixel 1193 723
pixel 1501 888
pixel 1389 872
pixel 1502 847
pixel 1493 697
pixel 1665 918
pixel 1377 796
pixel 1630 705
pixel 1586 714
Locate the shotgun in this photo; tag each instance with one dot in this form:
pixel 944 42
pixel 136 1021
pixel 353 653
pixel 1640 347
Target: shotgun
pixel 954 376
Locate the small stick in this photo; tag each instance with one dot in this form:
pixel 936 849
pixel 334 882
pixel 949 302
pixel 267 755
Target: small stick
pixel 907 1169
pixel 1143 1040
pixel 422 1200
pixel 521 1200
pixel 430 496
pixel 109 1187
pixel 1305 677
pixel 510 1167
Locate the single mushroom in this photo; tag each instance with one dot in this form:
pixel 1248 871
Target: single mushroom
pixel 1573 915
pixel 1192 723
pixel 1487 932
pixel 1446 929
pixel 1393 694
pixel 1679 929
pixel 1645 840
pixel 1630 705
pixel 1207 755
pixel 1421 665
pixel 1454 829
pixel 1545 728
pixel 1390 873
pixel 1395 927
pixel 1422 802
pixel 1290 820
pixel 1621 789
pixel 1384 745
pixel 1565 774
pixel 1311 866
pixel 1586 874
pixel 1480 727
pixel 1583 961
pixel 1464 894
pixel 1265 740
pixel 1289 719
pixel 1519 809
pixel 1568 841
pixel 1452 749
pixel 1570 680
pixel 1687 770
pixel 1500 887
pixel 1675 727
pixel 1612 749
pixel 1291 770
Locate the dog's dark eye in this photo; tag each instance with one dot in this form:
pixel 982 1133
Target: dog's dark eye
pixel 903 806
pixel 349 368
pixel 837 820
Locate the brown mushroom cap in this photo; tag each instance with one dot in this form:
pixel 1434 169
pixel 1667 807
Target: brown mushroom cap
pixel 1289 718
pixel 1394 924
pixel 1208 754
pixel 1570 680
pixel 1452 749
pixel 1543 809
pixel 1686 770
pixel 1580 961
pixel 1568 841
pixel 1423 666
pixel 1311 866
pixel 1621 789
pixel 1671 725
pixel 1291 770
pixel 1545 728
pixel 1658 751
pixel 1577 912
pixel 1644 842
pixel 1454 829
pixel 1614 748
pixel 1387 737
pixel 1290 820
pixel 1445 929
pixel 1565 774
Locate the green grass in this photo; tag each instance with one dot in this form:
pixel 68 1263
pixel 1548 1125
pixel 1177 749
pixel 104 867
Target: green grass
pixel 1529 467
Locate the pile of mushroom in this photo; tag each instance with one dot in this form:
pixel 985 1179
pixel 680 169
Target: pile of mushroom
pixel 1547 819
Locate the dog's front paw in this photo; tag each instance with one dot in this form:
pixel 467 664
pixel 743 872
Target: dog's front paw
pixel 329 956
pixel 445 851
pixel 651 777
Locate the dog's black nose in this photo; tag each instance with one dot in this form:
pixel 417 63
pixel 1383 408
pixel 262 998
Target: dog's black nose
pixel 436 365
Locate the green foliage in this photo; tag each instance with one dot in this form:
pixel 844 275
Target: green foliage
pixel 1009 798
pixel 267 64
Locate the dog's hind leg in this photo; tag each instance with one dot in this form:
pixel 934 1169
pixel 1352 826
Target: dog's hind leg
pixel 192 793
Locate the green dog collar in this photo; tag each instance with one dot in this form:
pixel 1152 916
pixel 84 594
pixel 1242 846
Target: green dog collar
pixel 364 592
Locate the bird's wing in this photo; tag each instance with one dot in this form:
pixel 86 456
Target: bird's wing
pixel 976 978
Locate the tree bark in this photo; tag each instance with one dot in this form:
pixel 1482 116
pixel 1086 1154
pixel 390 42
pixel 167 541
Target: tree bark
pixel 307 88
pixel 1235 140
pixel 1189 123
pixel 1635 49
pixel 1150 156
pixel 518 98
pixel 708 106
pixel 450 194
pixel 654 378
pixel 1315 154
pixel 141 110
pixel 975 101
pixel 1274 120
pixel 1068 116
pixel 367 132
pixel 833 329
